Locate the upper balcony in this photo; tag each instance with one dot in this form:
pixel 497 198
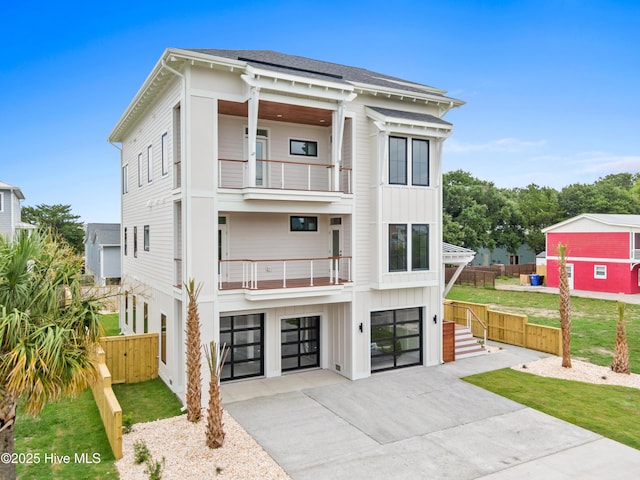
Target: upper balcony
pixel 276 151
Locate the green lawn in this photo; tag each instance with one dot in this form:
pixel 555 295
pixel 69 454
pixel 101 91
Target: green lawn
pixel 613 412
pixel 67 427
pixel 74 426
pixel 593 321
pixel 110 324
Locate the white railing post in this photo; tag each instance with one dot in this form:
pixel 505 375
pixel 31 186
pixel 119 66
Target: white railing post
pixel 337 264
pixel 284 274
pixel 219 275
pixel 255 276
pixel 311 273
pixel 349 269
pixel 330 270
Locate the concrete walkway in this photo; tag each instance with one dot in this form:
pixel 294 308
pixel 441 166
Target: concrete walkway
pixel 418 423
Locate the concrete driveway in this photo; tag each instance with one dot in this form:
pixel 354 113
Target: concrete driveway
pixel 419 423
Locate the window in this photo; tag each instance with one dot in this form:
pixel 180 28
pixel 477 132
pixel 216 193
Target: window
pixel 126 308
pixel 305 148
pixel 134 313
pixel 304 224
pixel 125 241
pixel 135 242
pixel 420 162
pixel 146 238
pixel 163 338
pixel 146 317
pixel 165 152
pixel 125 179
pixel 397 161
pixel 149 164
pixel 600 271
pixel 398 165
pixel 420 247
pixel 397 248
pixel 1 201
pixel 139 169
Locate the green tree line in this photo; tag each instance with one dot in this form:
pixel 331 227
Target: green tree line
pixel 479 214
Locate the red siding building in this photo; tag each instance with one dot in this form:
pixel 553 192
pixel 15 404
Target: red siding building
pixel 602 255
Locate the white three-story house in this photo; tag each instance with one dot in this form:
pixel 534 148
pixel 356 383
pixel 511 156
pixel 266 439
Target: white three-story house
pixel 304 196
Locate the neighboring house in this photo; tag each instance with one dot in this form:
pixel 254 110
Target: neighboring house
pixel 10 211
pixel 500 255
pixel 602 255
pixel 102 252
pixel 303 196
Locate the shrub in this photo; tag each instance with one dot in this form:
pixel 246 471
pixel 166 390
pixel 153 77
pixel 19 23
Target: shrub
pixel 140 452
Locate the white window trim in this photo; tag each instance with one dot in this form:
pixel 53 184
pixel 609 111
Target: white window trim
pixel 164 145
pixel 1 201
pixel 139 169
pixel 149 164
pixel 125 178
pixel 409 161
pixel 409 249
pixel 602 275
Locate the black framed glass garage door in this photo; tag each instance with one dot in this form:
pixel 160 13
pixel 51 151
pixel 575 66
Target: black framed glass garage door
pixel 396 339
pixel 244 335
pixel 300 343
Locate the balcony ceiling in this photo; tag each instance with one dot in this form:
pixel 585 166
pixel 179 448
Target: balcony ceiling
pixel 279 112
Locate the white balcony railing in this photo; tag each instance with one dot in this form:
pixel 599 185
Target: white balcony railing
pixel 283 273
pixel 284 175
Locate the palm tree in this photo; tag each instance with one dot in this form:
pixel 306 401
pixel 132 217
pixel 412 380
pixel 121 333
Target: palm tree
pixel 215 360
pixel 621 356
pixel 48 330
pixel 565 308
pixel 194 380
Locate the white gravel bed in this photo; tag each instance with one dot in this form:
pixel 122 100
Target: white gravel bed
pixel 580 371
pixel 182 444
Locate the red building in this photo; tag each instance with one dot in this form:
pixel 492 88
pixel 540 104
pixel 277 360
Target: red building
pixel 602 255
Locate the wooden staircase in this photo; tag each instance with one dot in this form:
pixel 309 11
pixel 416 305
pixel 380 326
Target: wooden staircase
pixel 466 345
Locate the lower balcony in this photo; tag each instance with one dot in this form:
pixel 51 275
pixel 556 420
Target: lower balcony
pixel 284 278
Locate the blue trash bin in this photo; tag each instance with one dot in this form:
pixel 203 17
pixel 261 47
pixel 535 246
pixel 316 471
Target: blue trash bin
pixel 535 280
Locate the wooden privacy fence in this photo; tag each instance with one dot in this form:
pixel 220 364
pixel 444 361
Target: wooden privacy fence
pixel 131 358
pixel 108 405
pixel 506 327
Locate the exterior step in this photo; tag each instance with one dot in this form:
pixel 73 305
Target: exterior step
pixel 466 345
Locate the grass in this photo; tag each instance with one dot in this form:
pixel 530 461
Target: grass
pixel 593 321
pixel 147 401
pixel 74 426
pixel 66 427
pixel 110 324
pixel 610 411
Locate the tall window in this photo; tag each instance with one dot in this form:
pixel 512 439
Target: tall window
pixel 146 317
pixel 149 164
pixel 126 308
pixel 165 154
pixel 134 313
pixel 135 242
pixel 146 238
pixel 139 169
pixel 397 248
pixel 397 161
pixel 163 338
pixel 399 151
pixel 125 241
pixel 420 162
pixel 125 179
pixel 419 247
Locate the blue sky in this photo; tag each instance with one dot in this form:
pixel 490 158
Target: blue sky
pixel 552 86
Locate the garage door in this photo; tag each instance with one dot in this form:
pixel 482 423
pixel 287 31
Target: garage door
pixel 396 339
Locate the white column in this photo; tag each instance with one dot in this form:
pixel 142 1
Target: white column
pixel 254 100
pixel 337 128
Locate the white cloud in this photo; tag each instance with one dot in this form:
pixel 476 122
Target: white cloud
pixel 501 145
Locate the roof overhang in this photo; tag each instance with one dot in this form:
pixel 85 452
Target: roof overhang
pixel 409 123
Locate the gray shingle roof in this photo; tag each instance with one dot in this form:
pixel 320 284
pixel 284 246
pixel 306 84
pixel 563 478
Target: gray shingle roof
pixel 16 190
pixel 307 67
pixel 421 117
pixel 105 233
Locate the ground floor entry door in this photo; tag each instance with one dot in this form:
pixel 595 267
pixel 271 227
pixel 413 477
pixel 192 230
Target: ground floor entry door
pixel 396 338
pixel 300 343
pixel 244 335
